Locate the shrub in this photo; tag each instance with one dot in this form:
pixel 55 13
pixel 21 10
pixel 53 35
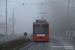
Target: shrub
pixel 15 43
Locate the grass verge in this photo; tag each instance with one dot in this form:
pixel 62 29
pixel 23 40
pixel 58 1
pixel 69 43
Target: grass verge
pixel 15 44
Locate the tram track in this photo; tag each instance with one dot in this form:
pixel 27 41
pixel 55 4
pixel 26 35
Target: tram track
pixel 40 48
pixel 37 46
pixel 33 46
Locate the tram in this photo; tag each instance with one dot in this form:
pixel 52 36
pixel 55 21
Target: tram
pixel 40 30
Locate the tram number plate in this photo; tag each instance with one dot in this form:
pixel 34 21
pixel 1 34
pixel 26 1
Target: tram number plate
pixel 40 34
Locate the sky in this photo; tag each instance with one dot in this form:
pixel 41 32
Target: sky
pixel 26 14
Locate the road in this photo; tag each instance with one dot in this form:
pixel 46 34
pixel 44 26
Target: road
pixel 55 43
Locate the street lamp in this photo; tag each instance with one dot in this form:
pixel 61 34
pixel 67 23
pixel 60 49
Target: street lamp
pixel 68 18
pixel 6 17
pixel 13 20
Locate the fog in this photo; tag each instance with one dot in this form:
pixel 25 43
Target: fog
pixel 26 14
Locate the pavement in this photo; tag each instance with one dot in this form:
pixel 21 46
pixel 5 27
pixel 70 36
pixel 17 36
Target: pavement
pixel 55 43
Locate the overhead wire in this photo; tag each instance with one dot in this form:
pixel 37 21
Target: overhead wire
pixel 24 7
pixel 42 16
pixel 42 7
pixel 27 10
pixel 28 4
pixel 40 4
pixel 19 2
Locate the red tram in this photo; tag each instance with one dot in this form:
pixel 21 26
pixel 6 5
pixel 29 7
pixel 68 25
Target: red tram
pixel 41 30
